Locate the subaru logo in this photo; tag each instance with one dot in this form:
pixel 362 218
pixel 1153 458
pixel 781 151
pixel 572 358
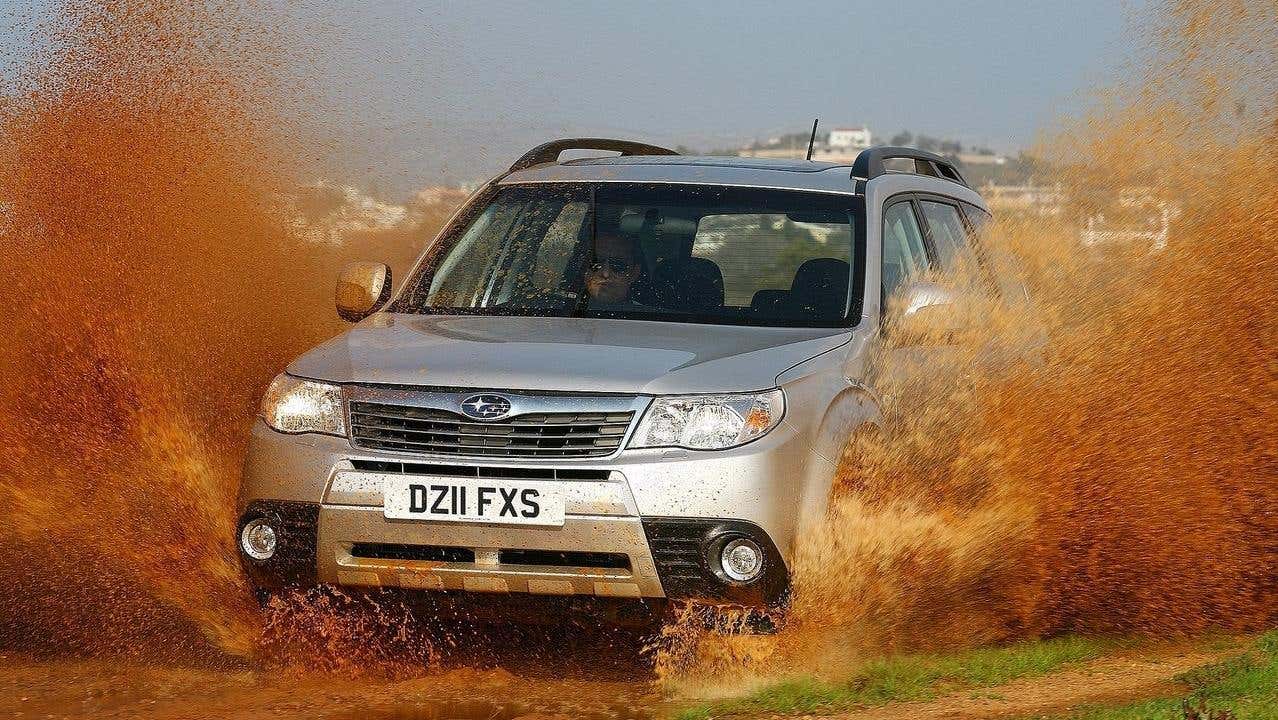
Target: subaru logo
pixel 486 407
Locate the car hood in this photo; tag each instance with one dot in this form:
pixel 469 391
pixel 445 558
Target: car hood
pixel 563 354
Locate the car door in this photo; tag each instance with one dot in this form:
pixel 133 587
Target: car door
pixel 906 257
pixel 991 288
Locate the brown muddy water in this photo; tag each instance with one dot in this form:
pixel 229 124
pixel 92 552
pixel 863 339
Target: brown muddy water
pixel 114 689
pixel 158 276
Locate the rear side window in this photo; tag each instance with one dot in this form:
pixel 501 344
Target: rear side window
pixel 951 241
pixel 904 254
pixel 976 217
pixel 949 237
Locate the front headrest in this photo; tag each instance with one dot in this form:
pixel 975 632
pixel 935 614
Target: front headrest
pixel 704 279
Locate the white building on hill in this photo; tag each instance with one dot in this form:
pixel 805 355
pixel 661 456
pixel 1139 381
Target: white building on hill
pixel 844 138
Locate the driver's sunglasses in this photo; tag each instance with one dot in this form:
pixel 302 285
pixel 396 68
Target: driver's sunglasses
pixel 615 264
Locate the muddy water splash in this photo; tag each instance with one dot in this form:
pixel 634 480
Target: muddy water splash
pixel 1128 481
pixel 154 285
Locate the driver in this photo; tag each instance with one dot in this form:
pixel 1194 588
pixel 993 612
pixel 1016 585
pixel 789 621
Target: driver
pixel 611 272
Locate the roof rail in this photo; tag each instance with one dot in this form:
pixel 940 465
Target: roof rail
pixel 869 163
pixel 550 151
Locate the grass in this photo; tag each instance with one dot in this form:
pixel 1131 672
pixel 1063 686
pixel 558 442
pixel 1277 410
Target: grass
pixel 908 677
pixel 1244 687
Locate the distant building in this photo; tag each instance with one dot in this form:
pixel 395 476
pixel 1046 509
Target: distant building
pixel 441 194
pixel 981 159
pixel 325 212
pixel 1139 220
pixel 1030 199
pixel 845 138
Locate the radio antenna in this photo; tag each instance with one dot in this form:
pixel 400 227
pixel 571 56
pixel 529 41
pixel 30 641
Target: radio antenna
pixel 812 140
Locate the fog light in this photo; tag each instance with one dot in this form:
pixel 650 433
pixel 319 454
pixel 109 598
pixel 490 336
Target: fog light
pixel 258 539
pixel 742 560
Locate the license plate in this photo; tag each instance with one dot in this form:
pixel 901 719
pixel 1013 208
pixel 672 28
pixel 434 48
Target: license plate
pixel 481 501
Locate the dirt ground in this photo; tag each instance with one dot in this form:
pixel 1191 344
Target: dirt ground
pixel 34 687
pixel 43 688
pixel 1105 681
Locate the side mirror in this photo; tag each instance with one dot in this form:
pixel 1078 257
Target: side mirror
pixel 362 289
pixel 924 313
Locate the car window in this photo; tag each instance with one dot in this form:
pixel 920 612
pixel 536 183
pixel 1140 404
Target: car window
pixel 558 246
pixel 737 243
pixel 533 250
pixel 677 253
pixel 949 237
pixel 976 217
pixel 458 283
pixel 904 254
pixel 953 247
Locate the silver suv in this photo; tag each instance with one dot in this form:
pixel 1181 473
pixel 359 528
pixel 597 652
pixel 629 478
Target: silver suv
pixel 626 377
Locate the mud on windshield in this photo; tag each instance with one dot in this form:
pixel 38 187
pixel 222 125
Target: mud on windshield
pixel 681 253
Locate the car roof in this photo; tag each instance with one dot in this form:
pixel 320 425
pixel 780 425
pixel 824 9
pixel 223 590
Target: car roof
pixel 639 163
pixel 776 173
pixel 756 163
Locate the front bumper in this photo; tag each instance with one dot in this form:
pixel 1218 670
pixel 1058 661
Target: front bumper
pixel 486 563
pixel 642 524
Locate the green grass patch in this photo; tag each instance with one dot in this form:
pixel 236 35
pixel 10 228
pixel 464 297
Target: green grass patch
pixel 907 677
pixel 1243 687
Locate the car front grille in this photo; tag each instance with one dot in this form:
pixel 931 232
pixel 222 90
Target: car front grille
pixel 404 428
pixel 480 471
pixel 677 549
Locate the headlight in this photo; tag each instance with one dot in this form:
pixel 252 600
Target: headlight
pixel 709 422
pixel 293 405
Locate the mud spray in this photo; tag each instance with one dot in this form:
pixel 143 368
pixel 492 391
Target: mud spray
pixel 155 281
pixel 1125 481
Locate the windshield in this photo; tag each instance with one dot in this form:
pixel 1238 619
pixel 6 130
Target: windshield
pixel 683 253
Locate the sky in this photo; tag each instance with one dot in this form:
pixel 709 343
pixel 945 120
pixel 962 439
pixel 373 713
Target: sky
pixel 456 90
pixel 424 92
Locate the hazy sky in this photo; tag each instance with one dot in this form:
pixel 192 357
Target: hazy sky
pixel 455 90
pixel 427 91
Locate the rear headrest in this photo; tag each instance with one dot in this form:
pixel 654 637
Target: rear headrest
pixel 821 287
pixel 769 302
pixel 694 283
